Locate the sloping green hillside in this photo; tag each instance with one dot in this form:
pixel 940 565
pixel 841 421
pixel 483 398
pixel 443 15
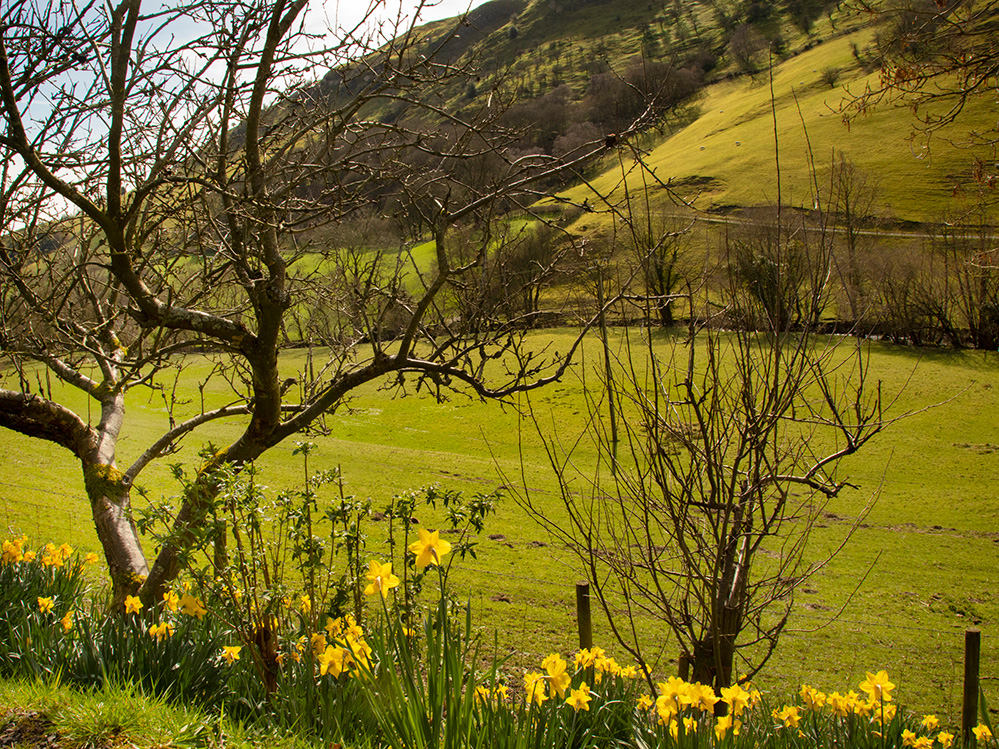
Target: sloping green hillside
pixel 729 149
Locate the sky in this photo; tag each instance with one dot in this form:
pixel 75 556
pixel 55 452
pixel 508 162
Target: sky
pixel 348 12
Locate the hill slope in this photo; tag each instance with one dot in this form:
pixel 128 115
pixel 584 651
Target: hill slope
pixel 730 146
pixel 550 56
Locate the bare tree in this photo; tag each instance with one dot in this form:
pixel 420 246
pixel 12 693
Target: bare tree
pixel 537 257
pixel 701 518
pixel 198 162
pixel 853 196
pixel 660 244
pixel 968 286
pixel 779 274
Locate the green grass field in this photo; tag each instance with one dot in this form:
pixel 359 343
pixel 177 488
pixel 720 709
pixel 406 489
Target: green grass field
pixel 926 559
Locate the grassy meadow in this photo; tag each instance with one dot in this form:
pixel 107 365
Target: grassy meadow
pixel 920 569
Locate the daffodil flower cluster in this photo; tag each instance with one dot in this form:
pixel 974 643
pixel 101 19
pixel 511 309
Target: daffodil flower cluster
pixel 14 552
pixel 50 574
pixel 555 681
pixel 341 650
pixel 686 707
pixel 874 705
pixel 877 705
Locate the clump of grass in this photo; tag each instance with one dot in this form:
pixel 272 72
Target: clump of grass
pixel 122 714
pixel 117 713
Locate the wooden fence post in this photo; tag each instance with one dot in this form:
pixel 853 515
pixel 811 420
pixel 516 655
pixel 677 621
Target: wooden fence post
pixel 583 615
pixel 969 712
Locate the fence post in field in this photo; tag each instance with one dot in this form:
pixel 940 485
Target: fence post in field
pixel 583 615
pixel 969 712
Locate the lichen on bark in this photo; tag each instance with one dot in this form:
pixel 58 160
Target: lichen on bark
pixel 103 480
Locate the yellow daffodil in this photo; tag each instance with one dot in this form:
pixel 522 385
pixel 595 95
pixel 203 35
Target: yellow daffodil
pixel 484 694
pixel 29 556
pixel 580 698
pixel 813 698
pixel 930 722
pixel 333 661
pixel 430 549
pixel 45 605
pixel 908 737
pixel 556 675
pixel 644 702
pixel 13 551
pixel 982 732
pixel 360 650
pixel 171 600
pixel 946 740
pixel 789 715
pixel 690 724
pixel 839 705
pixel 132 605
pixel 736 698
pixel 65 551
pixel 161 631
pixel 860 706
pixel 305 604
pixel 91 558
pixel 674 696
pixel 192 606
pixel 584 658
pixel 381 578
pixel 604 664
pixel 923 742
pixel 67 621
pixel 666 708
pixel 884 713
pixel 318 642
pixel 702 697
pixel 724 723
pixel 231 653
pixel 878 686
pixel 534 686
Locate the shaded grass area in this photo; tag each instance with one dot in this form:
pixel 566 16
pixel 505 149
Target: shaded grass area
pixel 38 714
pixel 921 568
